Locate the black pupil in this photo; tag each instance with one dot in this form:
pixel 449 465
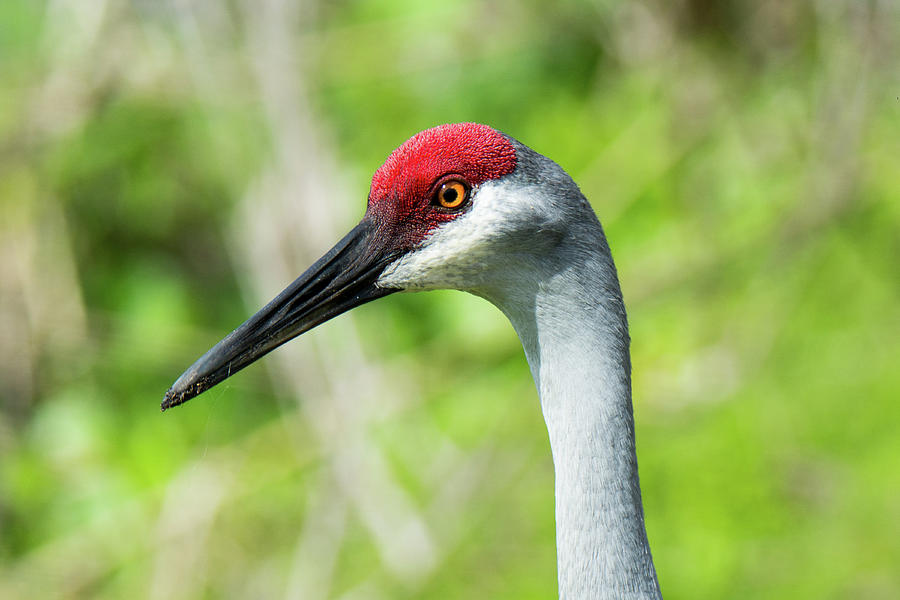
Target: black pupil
pixel 450 195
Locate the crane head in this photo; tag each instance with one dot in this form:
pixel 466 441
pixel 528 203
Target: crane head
pixel 457 206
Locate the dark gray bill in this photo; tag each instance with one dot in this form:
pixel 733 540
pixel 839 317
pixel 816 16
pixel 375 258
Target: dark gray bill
pixel 342 279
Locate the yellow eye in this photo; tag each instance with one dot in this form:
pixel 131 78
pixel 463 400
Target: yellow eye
pixel 452 194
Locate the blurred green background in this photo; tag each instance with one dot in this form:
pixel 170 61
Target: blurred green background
pixel 166 167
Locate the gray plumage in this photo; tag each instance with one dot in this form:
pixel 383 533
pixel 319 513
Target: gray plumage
pixel 532 245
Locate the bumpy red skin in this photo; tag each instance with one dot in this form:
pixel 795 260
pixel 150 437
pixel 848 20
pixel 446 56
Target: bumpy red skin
pixel 400 199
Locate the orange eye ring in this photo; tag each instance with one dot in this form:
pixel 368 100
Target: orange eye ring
pixel 452 194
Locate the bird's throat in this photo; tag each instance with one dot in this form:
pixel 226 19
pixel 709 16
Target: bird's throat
pixel 574 330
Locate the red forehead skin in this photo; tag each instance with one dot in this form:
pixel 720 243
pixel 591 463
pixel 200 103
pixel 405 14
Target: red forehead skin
pixel 402 188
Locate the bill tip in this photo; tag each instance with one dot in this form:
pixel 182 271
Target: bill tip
pixel 179 394
pixel 169 400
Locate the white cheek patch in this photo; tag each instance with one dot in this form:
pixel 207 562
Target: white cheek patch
pixel 451 254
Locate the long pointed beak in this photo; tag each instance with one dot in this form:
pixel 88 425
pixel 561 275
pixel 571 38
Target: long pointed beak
pixel 342 279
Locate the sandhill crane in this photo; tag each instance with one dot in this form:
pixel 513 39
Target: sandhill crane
pixel 466 207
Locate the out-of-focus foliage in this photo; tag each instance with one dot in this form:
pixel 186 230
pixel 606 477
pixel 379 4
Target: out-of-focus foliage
pixel 744 157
